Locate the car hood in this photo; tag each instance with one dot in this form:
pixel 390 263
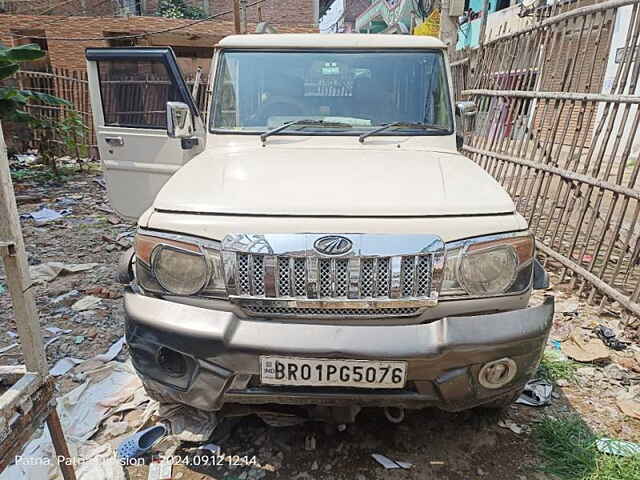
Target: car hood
pixel 332 182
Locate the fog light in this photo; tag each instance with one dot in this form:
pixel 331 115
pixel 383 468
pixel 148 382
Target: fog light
pixel 498 373
pixel 172 362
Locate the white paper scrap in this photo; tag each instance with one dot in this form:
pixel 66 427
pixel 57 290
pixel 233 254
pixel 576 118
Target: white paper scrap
pixel 387 463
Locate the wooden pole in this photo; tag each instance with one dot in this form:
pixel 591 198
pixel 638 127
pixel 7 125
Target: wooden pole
pixel 236 15
pixel 448 26
pixel 243 16
pixel 483 22
pixel 17 272
pixel 60 446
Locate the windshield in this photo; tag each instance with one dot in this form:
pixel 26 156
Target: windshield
pixel 344 92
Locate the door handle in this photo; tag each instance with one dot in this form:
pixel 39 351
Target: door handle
pixel 114 141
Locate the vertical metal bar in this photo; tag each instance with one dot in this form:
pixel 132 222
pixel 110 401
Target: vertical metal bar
pixel 312 277
pixel 353 277
pixel 270 276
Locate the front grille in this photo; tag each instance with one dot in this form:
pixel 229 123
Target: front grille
pixel 374 276
pixel 379 275
pixel 333 312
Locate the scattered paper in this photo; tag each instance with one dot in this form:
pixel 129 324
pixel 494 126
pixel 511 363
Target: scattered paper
pixel 45 272
pixel 86 303
pixel 629 402
pixel 387 463
pixel 63 365
pixel 56 330
pixel 82 411
pixel 8 347
pixel 584 349
pixel 511 425
pixel 112 353
pixel 160 470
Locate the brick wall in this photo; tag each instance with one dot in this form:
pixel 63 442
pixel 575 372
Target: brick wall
pixel 578 65
pixel 275 11
pixel 70 54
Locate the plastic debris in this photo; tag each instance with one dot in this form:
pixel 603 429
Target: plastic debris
pixel 213 448
pixel 2 289
pixel 618 447
pixel 608 336
pixel 556 344
pixel 45 272
pixel 536 393
pixel 388 464
pixel 45 215
pixel 87 303
pixel 141 442
pixel 63 365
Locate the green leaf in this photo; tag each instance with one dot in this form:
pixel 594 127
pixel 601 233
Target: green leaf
pixel 24 53
pixel 45 98
pixel 8 69
pixel 7 108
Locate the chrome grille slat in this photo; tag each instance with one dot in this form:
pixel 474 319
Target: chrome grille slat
pixel 367 278
pixel 257 274
pixel 370 278
pixel 284 278
pixel 332 312
pixel 299 277
pixel 284 275
pixel 243 274
pixel 382 277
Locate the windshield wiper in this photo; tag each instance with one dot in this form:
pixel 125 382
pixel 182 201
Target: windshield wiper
pixel 423 126
pixel 302 122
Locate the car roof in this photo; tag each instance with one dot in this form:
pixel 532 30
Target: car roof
pixel 325 41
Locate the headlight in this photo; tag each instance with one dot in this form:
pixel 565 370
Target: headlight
pixel 489 266
pixel 178 265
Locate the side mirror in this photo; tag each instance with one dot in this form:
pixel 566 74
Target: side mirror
pixel 179 120
pixel 466 109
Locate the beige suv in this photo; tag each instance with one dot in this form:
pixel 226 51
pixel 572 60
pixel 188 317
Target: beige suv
pixel 314 238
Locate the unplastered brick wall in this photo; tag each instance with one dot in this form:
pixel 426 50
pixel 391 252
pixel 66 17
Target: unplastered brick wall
pixel 69 54
pixel 275 11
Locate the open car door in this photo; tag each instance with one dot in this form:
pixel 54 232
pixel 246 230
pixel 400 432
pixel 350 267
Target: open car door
pixel 129 89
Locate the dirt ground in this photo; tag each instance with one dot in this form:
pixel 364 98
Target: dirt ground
pixel 462 446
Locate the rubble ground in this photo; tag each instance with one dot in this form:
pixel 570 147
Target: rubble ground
pixel 81 315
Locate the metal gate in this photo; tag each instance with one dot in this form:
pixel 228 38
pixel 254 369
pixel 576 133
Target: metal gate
pixel 557 126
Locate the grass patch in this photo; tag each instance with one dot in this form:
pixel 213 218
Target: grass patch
pixel 42 174
pixel 568 451
pixel 553 367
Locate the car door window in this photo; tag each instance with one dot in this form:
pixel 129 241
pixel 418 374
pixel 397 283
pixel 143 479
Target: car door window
pixel 135 93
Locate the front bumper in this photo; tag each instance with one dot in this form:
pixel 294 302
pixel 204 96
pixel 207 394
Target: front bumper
pixel 220 362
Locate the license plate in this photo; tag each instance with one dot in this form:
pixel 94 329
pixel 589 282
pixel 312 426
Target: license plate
pixel 321 372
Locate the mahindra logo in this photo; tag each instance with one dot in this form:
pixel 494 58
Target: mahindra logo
pixel 333 245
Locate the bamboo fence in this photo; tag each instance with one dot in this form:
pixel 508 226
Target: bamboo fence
pixel 557 126
pixel 72 85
